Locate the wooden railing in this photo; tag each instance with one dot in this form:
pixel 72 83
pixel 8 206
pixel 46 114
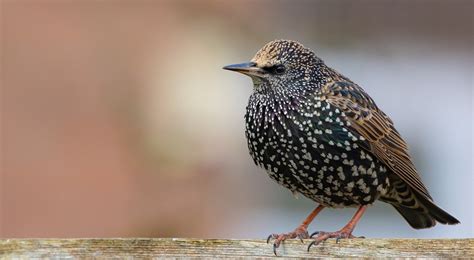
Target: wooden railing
pixel 211 248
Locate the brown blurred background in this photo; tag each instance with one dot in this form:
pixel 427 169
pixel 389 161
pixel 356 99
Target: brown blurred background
pixel 117 119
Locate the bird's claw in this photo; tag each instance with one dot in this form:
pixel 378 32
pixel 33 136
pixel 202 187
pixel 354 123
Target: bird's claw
pixel 323 236
pixel 314 243
pixel 299 232
pixel 271 236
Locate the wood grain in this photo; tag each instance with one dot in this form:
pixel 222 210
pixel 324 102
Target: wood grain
pixel 212 248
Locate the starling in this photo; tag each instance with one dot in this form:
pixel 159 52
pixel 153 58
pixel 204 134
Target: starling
pixel 319 134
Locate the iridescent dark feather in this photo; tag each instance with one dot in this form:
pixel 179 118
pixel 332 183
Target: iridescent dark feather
pixel 370 122
pixel 408 194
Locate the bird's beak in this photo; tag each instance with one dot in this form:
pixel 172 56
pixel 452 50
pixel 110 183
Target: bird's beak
pixel 248 68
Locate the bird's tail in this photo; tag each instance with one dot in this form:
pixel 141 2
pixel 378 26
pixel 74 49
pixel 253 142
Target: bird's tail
pixel 418 211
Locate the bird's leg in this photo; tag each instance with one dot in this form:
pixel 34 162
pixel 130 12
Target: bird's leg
pixel 300 232
pixel 345 232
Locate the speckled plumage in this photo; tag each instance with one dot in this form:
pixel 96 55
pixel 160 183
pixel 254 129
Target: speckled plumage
pixel 317 133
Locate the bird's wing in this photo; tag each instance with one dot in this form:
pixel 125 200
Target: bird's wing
pixel 371 123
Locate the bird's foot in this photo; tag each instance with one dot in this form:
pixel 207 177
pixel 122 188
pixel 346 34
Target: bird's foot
pixel 300 232
pixel 321 236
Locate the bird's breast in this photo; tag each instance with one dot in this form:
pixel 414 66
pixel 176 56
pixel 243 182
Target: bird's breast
pixel 309 148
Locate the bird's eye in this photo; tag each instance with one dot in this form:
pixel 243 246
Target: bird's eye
pixel 276 69
pixel 279 69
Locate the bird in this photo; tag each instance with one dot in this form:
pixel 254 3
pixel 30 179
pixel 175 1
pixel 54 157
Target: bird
pixel 319 134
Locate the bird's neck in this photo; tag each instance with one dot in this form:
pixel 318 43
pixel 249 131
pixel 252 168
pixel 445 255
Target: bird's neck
pixel 266 108
pixel 280 101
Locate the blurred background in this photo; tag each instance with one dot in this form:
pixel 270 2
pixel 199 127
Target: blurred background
pixel 117 119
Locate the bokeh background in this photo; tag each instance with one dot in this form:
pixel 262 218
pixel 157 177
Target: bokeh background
pixel 117 119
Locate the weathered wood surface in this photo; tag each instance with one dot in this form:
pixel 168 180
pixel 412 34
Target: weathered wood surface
pixel 212 248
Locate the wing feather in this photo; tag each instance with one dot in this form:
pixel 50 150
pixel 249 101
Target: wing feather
pixel 371 123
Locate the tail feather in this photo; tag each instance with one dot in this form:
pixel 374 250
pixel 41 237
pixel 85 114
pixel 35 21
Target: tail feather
pixel 415 218
pixel 437 213
pixel 418 211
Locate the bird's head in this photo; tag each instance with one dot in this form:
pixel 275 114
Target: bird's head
pixel 282 65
